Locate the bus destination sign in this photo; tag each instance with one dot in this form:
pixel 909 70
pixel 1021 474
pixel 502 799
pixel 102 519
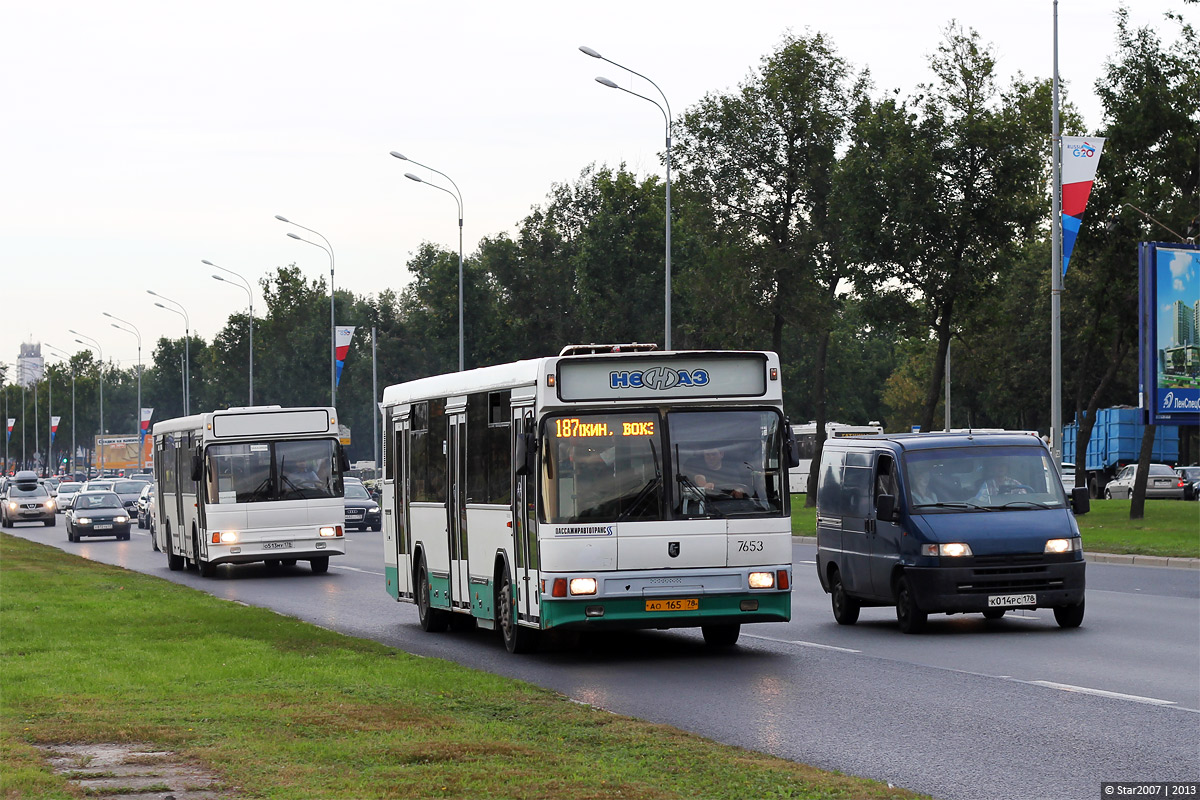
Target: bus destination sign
pixel 641 378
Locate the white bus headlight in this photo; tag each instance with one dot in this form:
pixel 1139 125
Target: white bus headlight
pixel 328 531
pixel 229 537
pixel 762 580
pixel 1062 545
pixel 583 585
pixel 951 549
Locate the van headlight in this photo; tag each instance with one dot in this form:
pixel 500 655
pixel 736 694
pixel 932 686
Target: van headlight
pixel 1063 545
pixel 950 549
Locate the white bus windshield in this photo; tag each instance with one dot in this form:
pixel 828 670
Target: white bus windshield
pixel 982 479
pixel 611 467
pixel 256 472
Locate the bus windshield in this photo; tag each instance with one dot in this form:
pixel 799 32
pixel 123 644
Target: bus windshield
pixel 982 479
pixel 256 472
pixel 612 467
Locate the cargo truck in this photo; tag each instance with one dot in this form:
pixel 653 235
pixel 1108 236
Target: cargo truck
pixel 1116 440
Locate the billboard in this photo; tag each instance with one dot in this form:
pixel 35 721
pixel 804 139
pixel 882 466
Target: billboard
pixel 1169 332
pixel 121 452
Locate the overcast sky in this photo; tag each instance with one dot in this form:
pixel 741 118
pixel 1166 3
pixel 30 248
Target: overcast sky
pixel 141 137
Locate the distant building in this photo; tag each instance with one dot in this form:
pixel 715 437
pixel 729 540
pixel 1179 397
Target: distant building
pixel 1183 324
pixel 31 367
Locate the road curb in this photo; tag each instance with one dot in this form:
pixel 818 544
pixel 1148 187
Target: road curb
pixel 1099 558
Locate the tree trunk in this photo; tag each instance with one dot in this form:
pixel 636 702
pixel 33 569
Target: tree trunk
pixel 1137 506
pixel 810 498
pixel 933 393
pixel 1088 422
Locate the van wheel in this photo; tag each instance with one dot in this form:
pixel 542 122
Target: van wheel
pixel 516 638
pixel 721 635
pixel 1069 616
pixel 845 608
pixel 911 618
pixel 433 620
pixel 993 613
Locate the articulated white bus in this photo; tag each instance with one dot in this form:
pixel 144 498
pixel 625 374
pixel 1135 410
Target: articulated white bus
pixel 806 442
pixel 608 487
pixel 249 484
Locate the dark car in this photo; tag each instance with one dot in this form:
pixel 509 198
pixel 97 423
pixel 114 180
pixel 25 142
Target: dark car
pixel 1191 477
pixel 97 514
pixel 361 511
pixel 26 500
pixel 129 491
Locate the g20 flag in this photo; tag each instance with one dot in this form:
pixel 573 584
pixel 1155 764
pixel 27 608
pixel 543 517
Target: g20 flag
pixel 342 336
pixel 53 427
pixel 1080 157
pixel 144 428
pixel 11 421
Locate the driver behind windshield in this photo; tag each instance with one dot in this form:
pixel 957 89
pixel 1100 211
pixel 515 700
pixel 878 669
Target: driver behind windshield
pixel 999 483
pixel 712 475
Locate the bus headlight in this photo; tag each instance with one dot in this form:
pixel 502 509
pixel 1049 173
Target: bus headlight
pixel 762 580
pixel 330 530
pixel 1062 545
pixel 951 549
pixel 224 537
pixel 583 585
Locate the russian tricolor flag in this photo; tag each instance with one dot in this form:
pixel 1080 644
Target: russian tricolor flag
pixel 1080 157
pixel 342 336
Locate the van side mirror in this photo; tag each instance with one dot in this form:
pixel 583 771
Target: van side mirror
pixel 1081 500
pixel 526 453
pixel 791 448
pixel 197 467
pixel 885 507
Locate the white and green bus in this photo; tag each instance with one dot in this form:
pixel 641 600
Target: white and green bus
pixel 610 487
pixel 250 484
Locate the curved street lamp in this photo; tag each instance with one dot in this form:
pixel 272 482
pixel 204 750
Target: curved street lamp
pixel 250 296
pixel 96 346
pixel 666 112
pixel 328 248
pixel 137 417
pixel 457 195
pixel 187 356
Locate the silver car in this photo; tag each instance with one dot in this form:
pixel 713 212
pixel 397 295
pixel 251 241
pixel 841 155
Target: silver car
pixel 66 493
pixel 1162 483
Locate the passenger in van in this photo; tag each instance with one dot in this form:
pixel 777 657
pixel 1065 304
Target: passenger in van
pixel 922 492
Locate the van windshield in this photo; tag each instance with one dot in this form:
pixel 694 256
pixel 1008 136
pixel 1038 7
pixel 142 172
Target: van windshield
pixel 982 479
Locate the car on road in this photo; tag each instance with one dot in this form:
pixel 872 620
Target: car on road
pixel 1162 483
pixel 129 491
pixel 66 493
pixel 361 511
pixel 97 514
pixel 26 500
pixel 97 485
pixel 143 501
pixel 1191 477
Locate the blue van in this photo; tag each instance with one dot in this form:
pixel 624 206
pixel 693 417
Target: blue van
pixel 948 522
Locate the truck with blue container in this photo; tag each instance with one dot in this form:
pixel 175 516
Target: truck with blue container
pixel 1116 440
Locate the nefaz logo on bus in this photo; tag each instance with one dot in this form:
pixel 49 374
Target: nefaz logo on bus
pixel 660 379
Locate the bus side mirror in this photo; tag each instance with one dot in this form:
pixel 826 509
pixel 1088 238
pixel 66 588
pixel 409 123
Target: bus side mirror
pixel 885 507
pixel 526 453
pixel 791 447
pixel 343 459
pixel 197 467
pixel 1081 500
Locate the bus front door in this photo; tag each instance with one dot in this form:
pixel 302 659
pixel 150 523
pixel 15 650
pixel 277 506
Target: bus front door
pixel 524 546
pixel 456 507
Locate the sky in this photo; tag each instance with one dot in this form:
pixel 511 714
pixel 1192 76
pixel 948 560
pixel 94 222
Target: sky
pixel 139 138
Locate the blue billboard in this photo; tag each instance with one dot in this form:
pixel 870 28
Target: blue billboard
pixel 1169 351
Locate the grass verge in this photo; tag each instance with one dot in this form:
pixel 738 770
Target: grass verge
pixel 282 709
pixel 1170 527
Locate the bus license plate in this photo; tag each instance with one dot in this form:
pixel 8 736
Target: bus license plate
pixel 277 545
pixel 1006 600
pixel 674 604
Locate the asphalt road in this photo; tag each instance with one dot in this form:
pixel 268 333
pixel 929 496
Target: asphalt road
pixel 1016 708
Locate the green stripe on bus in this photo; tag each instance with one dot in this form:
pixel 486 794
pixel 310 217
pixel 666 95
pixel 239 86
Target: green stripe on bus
pixel 772 607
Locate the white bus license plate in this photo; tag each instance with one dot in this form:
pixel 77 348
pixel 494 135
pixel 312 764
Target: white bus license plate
pixel 103 526
pixel 277 545
pixel 1006 600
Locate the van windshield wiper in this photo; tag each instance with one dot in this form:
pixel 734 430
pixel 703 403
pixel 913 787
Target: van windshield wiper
pixel 975 506
pixel 1033 503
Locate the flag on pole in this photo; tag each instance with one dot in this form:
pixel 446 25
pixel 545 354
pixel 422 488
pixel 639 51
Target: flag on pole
pixel 1080 157
pixel 342 336
pixel 11 421
pixel 53 427
pixel 147 413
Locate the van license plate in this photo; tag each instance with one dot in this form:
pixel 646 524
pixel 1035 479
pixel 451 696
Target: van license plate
pixel 1006 600
pixel 674 604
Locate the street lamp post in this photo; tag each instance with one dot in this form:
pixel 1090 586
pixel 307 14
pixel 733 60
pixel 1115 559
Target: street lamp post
pixel 457 195
pixel 250 296
pixel 666 112
pixel 187 358
pixel 62 355
pixel 328 248
pixel 137 417
pixel 100 350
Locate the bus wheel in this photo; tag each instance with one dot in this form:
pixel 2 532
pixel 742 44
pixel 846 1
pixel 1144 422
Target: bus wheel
pixel 320 565
pixel 845 608
pixel 911 618
pixel 516 638
pixel 721 635
pixel 1069 616
pixel 432 620
pixel 174 562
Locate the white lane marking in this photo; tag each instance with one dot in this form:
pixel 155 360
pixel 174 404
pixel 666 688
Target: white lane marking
pixel 802 643
pixel 806 562
pixel 1066 687
pixel 356 569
